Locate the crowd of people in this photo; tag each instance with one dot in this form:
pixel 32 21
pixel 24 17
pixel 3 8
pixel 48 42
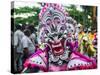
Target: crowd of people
pixel 24 41
pixel 87 40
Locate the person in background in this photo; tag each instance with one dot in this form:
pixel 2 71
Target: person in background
pixel 18 35
pixel 81 34
pixel 32 36
pixel 27 45
pixel 91 35
pixel 23 27
pixel 85 44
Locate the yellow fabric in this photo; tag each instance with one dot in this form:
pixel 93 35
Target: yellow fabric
pixel 80 35
pixel 91 36
pixel 89 50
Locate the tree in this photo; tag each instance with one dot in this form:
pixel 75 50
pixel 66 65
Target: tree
pixel 87 17
pixel 84 17
pixel 33 19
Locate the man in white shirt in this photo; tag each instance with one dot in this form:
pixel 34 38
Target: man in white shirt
pixel 27 45
pixel 33 35
pixel 18 34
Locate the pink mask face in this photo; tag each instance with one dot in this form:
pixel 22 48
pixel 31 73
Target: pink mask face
pixel 54 19
pixel 57 46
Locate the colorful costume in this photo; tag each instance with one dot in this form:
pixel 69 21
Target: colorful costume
pixel 57 33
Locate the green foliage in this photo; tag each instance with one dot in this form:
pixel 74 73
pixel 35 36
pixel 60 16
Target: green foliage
pixel 79 16
pixel 24 10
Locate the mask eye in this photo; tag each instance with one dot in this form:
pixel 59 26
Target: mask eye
pixel 59 35
pixel 51 37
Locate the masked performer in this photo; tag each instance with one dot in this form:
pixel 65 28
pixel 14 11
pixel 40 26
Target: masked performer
pixel 60 39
